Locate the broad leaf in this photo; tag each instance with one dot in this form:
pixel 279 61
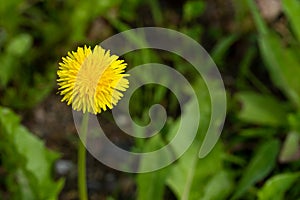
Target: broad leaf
pixel 261 109
pixel 219 187
pixel 190 175
pixel 151 185
pixel 193 9
pixel 282 62
pixel 291 9
pixel 29 162
pixel 259 167
pixel 290 147
pixel 283 65
pixel 276 186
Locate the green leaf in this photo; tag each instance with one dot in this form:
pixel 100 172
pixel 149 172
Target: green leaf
pixel 259 22
pixel 84 12
pixel 156 12
pixel 194 32
pixel 28 95
pixel 39 162
pixel 28 159
pixel 276 186
pixel 193 9
pixel 129 14
pixel 19 45
pixel 15 49
pixel 8 67
pixel 221 49
pixel 219 187
pixel 190 175
pixel 291 9
pixel 261 132
pixel 283 65
pixel 151 185
pixel 259 167
pixel 290 147
pixel 293 120
pixel 261 109
pixel 282 62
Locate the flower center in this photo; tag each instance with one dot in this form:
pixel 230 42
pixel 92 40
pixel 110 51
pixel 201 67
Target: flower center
pixel 90 73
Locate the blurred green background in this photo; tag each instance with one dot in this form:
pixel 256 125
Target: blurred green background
pixel 256 45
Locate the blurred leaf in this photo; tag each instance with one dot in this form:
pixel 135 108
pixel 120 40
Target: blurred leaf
pixel 194 32
pixel 220 50
pixel 156 12
pixel 19 45
pixel 190 175
pixel 259 22
pixel 30 163
pixel 291 9
pixel 244 73
pixel 293 120
pixel 258 132
pixel 8 67
pixel 283 65
pixel 161 174
pixel 276 186
pixel 219 187
pixel 84 12
pixel 259 167
pixel 9 60
pixel 151 185
pixel 10 14
pixel 260 109
pixel 240 11
pixel 129 14
pixel 28 95
pixel 193 9
pixel 282 62
pixel 290 147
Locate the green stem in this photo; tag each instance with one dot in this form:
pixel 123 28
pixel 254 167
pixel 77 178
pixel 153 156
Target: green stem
pixel 82 158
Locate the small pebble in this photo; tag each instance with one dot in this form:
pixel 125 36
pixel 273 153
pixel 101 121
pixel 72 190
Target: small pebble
pixel 63 167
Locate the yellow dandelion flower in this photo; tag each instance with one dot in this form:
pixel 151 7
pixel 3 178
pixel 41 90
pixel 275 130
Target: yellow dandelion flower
pixel 91 80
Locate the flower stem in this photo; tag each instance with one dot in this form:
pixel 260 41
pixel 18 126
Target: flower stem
pixel 82 186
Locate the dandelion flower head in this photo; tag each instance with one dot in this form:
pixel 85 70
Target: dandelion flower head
pixel 91 80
